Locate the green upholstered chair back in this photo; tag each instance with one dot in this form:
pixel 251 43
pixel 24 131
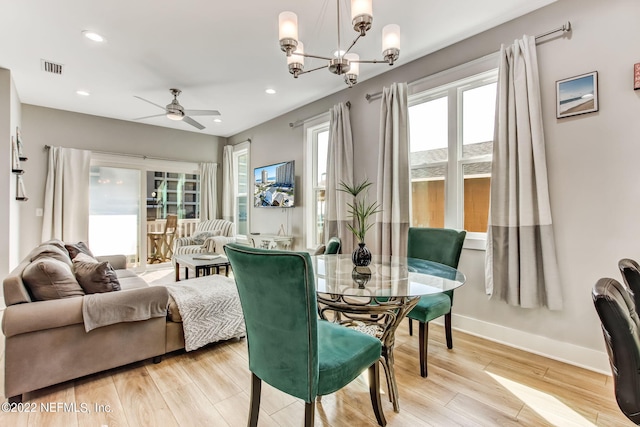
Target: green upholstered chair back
pixel 278 297
pixel 333 246
pixel 443 245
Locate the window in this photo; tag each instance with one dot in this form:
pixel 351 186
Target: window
pixel 451 143
pixel 241 188
pixel 317 145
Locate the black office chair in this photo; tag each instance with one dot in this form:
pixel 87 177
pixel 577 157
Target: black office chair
pixel 620 324
pixel 631 275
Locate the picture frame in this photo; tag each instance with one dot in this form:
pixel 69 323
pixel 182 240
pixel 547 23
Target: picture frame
pixel 577 95
pixel 15 158
pixel 21 193
pixel 21 155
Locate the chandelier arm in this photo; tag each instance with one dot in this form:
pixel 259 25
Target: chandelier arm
pixel 372 61
pixel 309 55
pixel 313 69
pixel 353 43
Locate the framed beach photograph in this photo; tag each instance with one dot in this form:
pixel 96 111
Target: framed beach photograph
pixel 577 95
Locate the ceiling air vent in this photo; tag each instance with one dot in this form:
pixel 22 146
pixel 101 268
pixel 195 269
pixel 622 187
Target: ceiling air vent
pixel 51 67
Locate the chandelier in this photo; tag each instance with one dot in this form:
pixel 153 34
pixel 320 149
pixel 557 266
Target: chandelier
pixel 344 62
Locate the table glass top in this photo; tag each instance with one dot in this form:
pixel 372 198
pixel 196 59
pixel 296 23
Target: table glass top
pixel 384 277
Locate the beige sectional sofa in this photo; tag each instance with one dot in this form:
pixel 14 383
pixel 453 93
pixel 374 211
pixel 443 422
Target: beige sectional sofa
pixel 47 343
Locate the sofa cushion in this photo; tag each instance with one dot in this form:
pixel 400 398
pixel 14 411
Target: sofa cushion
pixel 76 248
pixel 51 250
pixel 50 278
pixel 93 276
pixel 200 237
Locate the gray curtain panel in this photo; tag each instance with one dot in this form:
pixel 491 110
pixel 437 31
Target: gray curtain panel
pixel 521 266
pixel 228 175
pixel 66 196
pixel 339 169
pixel 394 185
pixel 208 191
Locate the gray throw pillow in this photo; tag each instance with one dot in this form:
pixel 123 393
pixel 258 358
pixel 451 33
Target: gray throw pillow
pixel 95 277
pixel 199 238
pixel 76 248
pixel 48 250
pixel 49 278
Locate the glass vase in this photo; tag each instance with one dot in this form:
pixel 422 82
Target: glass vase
pixel 361 257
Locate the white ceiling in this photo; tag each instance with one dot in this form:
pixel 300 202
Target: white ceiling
pixel 222 54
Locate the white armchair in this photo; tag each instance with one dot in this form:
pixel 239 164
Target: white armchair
pixel 209 237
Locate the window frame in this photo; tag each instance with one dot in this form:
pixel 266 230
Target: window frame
pixel 311 129
pixel 452 84
pixel 239 150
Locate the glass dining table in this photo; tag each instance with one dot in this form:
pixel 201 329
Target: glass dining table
pixel 375 299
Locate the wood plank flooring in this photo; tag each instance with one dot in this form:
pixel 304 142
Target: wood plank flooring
pixel 477 383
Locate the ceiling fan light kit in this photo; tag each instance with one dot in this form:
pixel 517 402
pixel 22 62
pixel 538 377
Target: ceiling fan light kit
pixel 344 62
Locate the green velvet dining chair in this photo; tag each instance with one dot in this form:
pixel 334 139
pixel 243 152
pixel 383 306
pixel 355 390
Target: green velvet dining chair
pixel 444 246
pixel 333 246
pixel 289 347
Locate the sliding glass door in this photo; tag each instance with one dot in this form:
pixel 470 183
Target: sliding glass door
pixel 114 212
pixel 130 199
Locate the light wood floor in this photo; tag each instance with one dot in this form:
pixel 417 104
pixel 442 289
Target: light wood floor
pixel 478 383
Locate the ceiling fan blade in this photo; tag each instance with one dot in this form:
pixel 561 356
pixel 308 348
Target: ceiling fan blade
pixel 148 117
pixel 202 112
pixel 152 103
pixel 192 122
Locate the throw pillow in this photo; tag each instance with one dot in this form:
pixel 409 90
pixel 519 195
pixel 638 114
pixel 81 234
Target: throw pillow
pixel 95 277
pixel 49 278
pixel 49 250
pixel 199 238
pixel 75 249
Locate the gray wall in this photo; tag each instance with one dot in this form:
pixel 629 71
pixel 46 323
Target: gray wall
pixel 10 116
pixel 592 165
pixel 45 126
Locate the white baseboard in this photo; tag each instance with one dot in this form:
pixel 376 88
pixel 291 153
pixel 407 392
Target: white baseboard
pixel 572 354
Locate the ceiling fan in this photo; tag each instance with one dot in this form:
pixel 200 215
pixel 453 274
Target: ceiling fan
pixel 175 111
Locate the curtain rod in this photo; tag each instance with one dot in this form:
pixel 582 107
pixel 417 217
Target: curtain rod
pixel 566 27
pixel 300 122
pixel 141 156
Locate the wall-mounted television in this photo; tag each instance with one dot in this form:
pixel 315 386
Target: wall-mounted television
pixel 274 186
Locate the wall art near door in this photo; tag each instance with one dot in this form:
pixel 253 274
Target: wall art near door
pixel 21 155
pixel 21 194
pixel 577 95
pixel 636 76
pixel 15 157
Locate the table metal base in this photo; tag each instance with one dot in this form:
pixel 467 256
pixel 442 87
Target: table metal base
pixel 375 316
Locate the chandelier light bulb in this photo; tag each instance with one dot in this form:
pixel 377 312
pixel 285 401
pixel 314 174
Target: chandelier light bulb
pixel 391 37
pixel 361 7
pixel 288 25
pixel 296 61
pixel 354 67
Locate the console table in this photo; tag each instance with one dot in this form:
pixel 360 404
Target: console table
pixel 271 241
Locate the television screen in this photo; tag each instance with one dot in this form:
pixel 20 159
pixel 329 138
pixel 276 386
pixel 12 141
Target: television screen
pixel 274 185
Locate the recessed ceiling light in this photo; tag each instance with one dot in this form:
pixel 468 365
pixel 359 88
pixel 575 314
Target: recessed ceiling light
pixel 93 36
pixel 270 91
pixel 217 120
pixel 83 93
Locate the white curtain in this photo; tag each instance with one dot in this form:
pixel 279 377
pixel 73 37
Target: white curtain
pixel 339 169
pixel 394 183
pixel 228 174
pixel 66 196
pixel 521 266
pixel 208 191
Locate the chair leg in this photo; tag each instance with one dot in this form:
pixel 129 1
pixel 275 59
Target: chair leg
pixel 447 329
pixel 309 413
pixel 374 391
pixel 423 342
pixel 256 387
pixel 410 327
